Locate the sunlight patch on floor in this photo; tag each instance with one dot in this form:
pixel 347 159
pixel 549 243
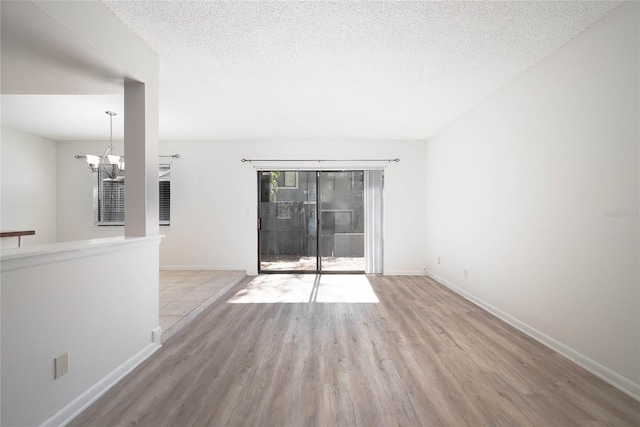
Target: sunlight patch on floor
pixel 345 288
pixel 277 288
pixel 307 288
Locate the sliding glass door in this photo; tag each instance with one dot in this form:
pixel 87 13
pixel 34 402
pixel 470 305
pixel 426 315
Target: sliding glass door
pixel 295 207
pixel 288 237
pixel 342 221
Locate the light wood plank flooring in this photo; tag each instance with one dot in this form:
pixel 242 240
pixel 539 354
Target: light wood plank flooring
pixel 422 356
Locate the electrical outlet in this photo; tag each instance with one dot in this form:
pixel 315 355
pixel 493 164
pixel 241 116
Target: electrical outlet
pixel 424 268
pixel 438 260
pixel 466 273
pixel 61 364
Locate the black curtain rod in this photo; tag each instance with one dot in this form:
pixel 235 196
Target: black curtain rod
pixel 396 160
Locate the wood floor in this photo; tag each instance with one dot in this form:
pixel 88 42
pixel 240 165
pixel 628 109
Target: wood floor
pixel 422 356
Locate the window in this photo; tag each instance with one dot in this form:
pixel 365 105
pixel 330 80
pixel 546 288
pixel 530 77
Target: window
pixel 164 202
pixel 287 179
pixel 108 197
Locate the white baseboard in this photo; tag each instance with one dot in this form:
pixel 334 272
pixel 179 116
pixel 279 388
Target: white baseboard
pixel 82 402
pixel 201 267
pixel 404 273
pixel 602 372
pixel 253 272
pixel 156 335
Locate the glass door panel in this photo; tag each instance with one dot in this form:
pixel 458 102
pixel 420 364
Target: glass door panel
pixel 342 221
pixel 287 221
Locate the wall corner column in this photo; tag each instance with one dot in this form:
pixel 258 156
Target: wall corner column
pixel 141 124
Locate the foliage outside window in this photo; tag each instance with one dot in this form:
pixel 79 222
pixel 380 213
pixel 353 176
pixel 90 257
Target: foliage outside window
pixel 273 181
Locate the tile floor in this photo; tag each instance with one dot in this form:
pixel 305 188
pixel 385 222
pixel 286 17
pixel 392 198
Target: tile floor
pixel 186 293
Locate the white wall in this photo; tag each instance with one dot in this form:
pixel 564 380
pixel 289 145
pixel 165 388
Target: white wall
pixel 98 301
pixel 214 199
pixel 520 190
pixel 28 189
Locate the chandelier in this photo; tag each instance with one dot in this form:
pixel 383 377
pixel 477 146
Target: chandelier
pixel 109 163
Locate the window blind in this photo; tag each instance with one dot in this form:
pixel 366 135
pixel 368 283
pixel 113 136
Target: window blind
pixel 164 203
pixel 109 201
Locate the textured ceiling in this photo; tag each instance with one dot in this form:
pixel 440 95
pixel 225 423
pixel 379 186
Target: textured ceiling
pixel 356 70
pixel 64 117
